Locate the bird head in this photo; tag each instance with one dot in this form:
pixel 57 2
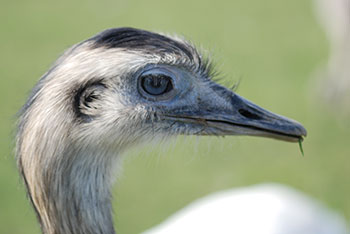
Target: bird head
pixel 125 86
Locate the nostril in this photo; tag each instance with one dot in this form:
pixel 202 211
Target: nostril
pixel 248 114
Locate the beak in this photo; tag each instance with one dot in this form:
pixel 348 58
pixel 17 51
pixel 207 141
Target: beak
pixel 230 114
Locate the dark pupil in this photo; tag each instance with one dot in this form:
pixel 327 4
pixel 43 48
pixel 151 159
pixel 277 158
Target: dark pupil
pixel 156 84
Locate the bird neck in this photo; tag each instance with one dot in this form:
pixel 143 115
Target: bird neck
pixel 76 198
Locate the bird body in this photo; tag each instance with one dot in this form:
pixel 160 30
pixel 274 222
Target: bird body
pixel 107 94
pixel 263 209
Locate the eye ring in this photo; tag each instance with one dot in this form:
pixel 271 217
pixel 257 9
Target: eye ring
pixel 156 84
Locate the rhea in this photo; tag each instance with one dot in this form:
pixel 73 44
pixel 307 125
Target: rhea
pixel 107 94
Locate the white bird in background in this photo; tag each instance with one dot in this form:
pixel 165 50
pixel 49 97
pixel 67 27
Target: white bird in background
pixel 334 17
pixel 107 94
pixel 263 209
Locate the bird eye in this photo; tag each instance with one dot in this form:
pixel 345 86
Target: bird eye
pixel 156 84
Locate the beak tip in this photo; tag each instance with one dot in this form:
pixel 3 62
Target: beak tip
pixel 302 132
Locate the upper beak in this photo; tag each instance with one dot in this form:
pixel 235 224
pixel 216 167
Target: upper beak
pixel 238 116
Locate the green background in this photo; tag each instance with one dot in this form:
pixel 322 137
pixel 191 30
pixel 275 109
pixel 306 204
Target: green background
pixel 273 47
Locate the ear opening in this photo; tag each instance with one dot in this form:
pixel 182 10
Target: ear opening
pixel 86 100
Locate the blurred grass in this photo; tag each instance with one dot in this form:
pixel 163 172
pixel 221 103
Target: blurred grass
pixel 272 46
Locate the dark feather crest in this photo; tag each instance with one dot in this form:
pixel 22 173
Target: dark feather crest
pixel 137 39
